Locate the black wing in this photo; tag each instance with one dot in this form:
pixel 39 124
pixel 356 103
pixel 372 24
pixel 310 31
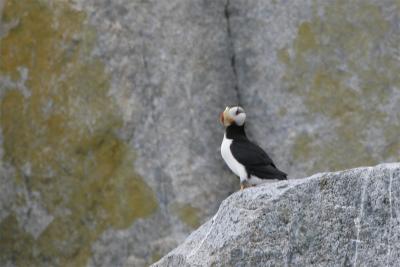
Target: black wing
pixel 256 161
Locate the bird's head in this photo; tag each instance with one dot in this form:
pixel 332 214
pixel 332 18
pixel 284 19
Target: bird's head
pixel 233 115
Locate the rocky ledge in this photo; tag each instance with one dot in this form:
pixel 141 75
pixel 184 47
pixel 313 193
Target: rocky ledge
pixel 344 218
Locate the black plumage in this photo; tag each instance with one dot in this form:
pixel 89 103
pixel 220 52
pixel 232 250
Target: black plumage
pixel 251 156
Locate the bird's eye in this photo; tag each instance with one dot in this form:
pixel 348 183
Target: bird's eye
pixel 237 111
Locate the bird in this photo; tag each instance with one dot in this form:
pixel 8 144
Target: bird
pixel 245 159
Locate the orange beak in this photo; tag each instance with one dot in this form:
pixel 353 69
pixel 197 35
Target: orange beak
pixel 221 118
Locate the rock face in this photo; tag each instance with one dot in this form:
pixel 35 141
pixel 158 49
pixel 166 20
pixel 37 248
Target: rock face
pixel 109 128
pixel 109 140
pixel 347 218
pixel 322 79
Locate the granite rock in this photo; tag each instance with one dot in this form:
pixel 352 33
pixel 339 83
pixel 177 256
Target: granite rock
pixel 346 218
pixel 109 134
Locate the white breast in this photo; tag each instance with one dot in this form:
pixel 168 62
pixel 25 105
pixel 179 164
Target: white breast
pixel 232 163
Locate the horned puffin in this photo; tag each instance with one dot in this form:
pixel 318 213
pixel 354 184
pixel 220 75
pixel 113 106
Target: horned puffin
pixel 246 159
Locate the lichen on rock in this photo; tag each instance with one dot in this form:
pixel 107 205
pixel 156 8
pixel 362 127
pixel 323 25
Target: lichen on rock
pixel 337 69
pixel 62 138
pixel 187 213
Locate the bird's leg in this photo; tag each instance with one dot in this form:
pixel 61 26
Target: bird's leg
pixel 244 184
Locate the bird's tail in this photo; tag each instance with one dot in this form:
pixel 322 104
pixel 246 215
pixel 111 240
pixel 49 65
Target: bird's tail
pixel 269 172
pixel 281 175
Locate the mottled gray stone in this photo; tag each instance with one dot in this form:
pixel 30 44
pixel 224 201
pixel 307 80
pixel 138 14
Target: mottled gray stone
pixel 176 64
pixel 8 191
pixel 329 219
pixel 6 27
pixel 320 85
pixel 32 217
pixel 170 70
pixel 315 80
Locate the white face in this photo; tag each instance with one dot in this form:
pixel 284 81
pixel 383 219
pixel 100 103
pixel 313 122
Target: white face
pixel 233 115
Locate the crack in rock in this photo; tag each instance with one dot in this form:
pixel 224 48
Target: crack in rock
pixel 227 14
pixel 357 221
pixel 390 219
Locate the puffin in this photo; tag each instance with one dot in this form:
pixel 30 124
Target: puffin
pixel 245 159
